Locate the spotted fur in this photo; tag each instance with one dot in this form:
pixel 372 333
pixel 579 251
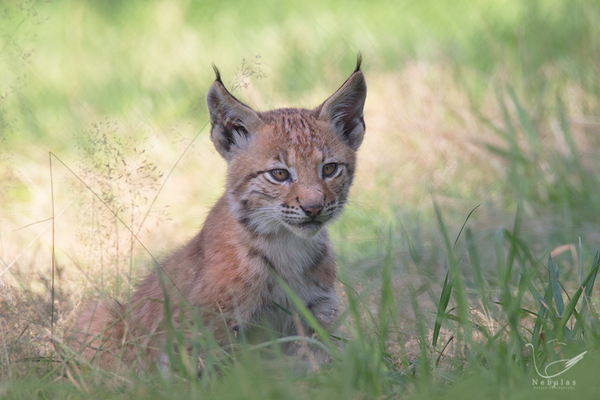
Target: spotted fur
pixel 289 173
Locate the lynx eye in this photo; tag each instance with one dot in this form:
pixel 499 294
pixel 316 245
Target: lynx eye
pixel 329 169
pixel 280 175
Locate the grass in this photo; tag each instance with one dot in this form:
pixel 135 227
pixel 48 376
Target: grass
pixel 466 259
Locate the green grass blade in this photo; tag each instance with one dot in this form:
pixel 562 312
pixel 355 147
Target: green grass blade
pixel 441 310
pixel 387 306
pixel 452 279
pixel 424 368
pixel 355 298
pixel 514 245
pixel 477 274
pixel 579 325
pixel 501 262
pixel 414 254
pixel 566 131
pixel 515 157
pixel 568 311
pixel 545 308
pixel 525 122
pixel 589 286
pixel 556 289
pixel 464 224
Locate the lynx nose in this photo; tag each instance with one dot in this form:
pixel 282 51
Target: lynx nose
pixel 312 210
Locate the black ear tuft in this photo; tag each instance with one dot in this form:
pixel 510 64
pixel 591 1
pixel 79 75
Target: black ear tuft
pixel 232 122
pixel 358 62
pixel 344 109
pixel 217 74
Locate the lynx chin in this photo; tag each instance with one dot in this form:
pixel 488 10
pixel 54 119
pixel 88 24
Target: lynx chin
pixel 289 172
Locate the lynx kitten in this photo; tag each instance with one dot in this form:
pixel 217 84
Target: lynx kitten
pixel 288 175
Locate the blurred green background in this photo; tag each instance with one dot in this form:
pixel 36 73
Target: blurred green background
pixel 65 62
pixel 472 88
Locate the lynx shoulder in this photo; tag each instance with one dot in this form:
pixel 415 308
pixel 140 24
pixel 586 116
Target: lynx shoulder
pixel 289 172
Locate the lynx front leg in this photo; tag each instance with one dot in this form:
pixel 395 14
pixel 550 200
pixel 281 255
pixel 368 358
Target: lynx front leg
pixel 324 308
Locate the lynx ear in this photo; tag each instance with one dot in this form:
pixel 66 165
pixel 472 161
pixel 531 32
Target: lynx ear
pixel 231 120
pixel 344 109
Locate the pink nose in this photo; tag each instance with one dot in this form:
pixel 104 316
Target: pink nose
pixel 312 210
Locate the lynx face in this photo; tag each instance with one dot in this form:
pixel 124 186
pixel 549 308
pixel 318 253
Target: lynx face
pixel 289 170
